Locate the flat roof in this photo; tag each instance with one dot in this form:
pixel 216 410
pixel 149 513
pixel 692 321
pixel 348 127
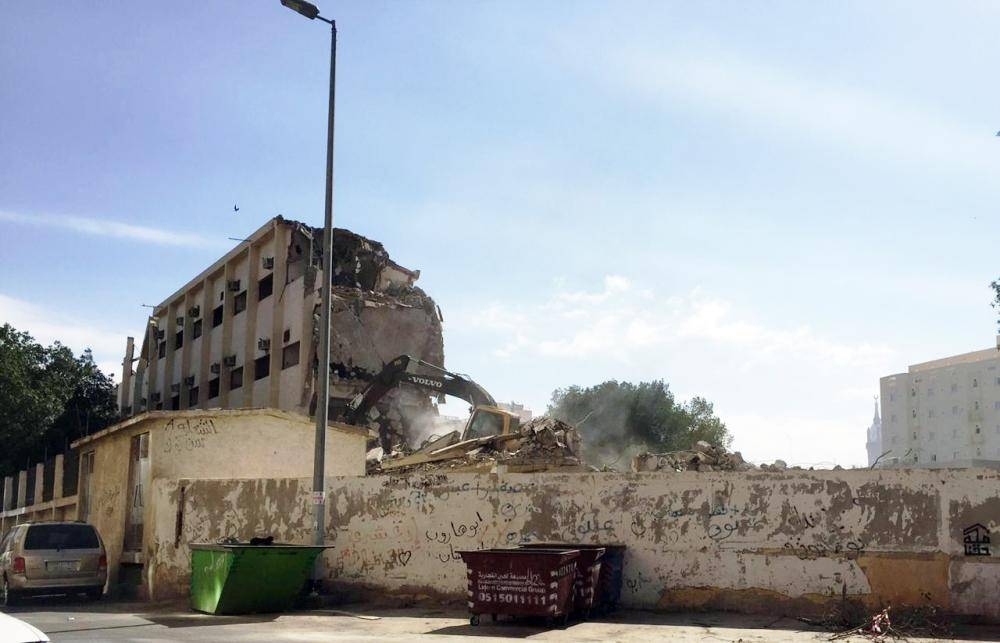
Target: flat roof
pixel 201 413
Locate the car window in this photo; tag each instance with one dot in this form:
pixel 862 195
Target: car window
pixel 61 537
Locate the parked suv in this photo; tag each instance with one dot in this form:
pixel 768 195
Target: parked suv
pixel 52 558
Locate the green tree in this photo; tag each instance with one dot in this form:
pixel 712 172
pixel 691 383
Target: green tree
pixel 617 419
pixel 995 285
pixel 48 397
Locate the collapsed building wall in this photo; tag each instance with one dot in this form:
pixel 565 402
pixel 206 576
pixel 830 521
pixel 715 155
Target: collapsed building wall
pixel 244 333
pixel 794 542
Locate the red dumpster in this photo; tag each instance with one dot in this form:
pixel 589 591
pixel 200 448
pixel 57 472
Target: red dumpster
pixel 521 582
pixel 588 572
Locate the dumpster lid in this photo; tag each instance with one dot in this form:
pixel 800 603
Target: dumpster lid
pixel 229 547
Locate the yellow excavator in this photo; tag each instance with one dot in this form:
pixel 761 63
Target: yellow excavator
pixel 487 423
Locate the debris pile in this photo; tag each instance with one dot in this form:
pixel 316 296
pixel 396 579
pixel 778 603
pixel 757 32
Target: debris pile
pixel 702 457
pixel 849 620
pixel 541 444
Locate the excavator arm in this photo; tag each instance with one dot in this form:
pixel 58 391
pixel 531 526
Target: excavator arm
pixel 431 378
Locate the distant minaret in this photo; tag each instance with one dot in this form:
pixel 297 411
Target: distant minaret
pixel 875 436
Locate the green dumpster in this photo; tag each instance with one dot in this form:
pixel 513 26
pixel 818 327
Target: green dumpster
pixel 242 579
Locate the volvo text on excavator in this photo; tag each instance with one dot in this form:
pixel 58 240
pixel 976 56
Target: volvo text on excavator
pixel 485 420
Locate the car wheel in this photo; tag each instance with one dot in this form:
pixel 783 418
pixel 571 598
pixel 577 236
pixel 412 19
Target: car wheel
pixel 95 593
pixel 8 596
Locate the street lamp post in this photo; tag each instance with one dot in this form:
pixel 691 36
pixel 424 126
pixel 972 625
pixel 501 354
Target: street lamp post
pixel 323 393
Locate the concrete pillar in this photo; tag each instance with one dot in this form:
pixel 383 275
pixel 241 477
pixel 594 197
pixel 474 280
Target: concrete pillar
pixel 57 482
pixel 250 325
pixel 22 489
pixel 8 493
pixel 227 336
pixel 125 388
pixel 39 482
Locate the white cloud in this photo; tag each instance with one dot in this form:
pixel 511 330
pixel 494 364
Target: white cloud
pixel 833 115
pixel 113 229
pixel 806 440
pixel 786 391
pixel 47 326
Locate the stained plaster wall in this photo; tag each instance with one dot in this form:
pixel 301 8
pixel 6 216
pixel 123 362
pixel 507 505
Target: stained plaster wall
pixel 219 444
pixel 792 542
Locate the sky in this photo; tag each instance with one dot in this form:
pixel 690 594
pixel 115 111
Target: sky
pixel 770 205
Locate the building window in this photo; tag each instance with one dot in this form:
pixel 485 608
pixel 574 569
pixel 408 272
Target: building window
pixel 933 457
pixel 178 339
pixel 978 430
pixel 975 383
pixel 196 329
pixel 265 287
pixel 954 388
pixel 914 412
pixel 979 451
pixel 240 303
pixel 914 435
pixel 976 405
pixel 290 355
pixel 213 388
pixel 236 378
pixel 216 316
pixel 913 392
pixel 262 367
pixel 193 396
pixel 175 403
pixel 285 336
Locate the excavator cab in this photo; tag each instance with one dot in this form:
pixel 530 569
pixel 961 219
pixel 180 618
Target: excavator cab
pixel 486 421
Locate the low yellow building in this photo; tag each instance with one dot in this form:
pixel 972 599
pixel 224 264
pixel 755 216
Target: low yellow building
pixel 125 470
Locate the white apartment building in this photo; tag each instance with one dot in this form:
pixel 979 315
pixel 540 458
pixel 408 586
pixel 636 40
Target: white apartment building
pixel 942 413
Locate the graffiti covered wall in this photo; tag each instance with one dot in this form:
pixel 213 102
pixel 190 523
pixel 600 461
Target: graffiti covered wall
pixel 753 541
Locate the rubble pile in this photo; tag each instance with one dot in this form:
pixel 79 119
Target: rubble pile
pixel 702 457
pixel 543 443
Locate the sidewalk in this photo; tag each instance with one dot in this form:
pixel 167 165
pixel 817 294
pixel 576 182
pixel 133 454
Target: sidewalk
pixel 67 621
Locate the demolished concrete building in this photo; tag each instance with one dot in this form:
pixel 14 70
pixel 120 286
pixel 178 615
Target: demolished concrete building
pixel 243 333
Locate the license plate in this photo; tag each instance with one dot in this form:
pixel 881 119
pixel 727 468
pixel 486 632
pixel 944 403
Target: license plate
pixel 61 566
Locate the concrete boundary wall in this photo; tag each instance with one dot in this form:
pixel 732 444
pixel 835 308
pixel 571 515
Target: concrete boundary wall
pixel 794 542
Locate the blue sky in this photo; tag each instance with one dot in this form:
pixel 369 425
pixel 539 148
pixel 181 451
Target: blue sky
pixel 770 205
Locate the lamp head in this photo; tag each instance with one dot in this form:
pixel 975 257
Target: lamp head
pixel 302 7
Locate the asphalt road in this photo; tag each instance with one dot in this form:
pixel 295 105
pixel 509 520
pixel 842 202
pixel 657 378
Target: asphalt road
pixel 72 620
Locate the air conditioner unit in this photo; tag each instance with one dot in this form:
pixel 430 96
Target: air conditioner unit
pixel 263 344
pixel 233 285
pixel 268 263
pixel 180 321
pixel 155 397
pixel 229 361
pixel 215 368
pixel 175 388
pixel 194 311
pixel 160 335
pixel 189 380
